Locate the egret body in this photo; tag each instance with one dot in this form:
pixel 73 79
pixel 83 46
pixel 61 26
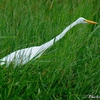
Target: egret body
pixel 21 57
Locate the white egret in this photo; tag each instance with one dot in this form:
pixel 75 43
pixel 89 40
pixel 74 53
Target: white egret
pixel 21 57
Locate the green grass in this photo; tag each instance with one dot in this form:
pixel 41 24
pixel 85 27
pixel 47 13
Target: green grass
pixel 69 70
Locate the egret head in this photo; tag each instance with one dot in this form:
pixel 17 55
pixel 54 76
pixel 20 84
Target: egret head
pixel 83 20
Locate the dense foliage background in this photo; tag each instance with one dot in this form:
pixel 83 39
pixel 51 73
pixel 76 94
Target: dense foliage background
pixel 70 69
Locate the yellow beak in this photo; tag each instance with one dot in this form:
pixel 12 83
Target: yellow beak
pixel 91 22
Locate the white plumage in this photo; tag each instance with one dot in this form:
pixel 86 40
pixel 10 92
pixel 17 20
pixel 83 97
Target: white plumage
pixel 21 57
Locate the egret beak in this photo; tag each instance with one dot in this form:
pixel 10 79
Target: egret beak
pixel 90 22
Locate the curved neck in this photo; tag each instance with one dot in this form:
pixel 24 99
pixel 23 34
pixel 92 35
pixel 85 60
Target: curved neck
pixel 58 37
pixel 64 31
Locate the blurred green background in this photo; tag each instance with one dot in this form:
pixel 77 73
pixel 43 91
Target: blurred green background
pixel 70 69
